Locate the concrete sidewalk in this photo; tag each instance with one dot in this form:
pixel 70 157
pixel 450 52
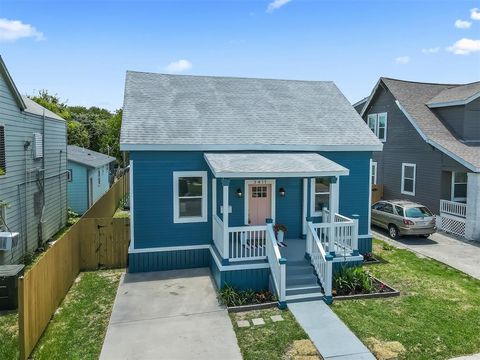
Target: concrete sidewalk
pixel 169 315
pixel 460 254
pixel 331 336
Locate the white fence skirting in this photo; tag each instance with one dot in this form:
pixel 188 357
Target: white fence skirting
pixel 452 217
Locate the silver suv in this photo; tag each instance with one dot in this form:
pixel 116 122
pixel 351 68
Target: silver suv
pixel 401 217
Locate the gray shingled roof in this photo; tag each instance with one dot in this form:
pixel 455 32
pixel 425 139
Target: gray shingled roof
pixel 263 165
pixel 456 94
pixel 218 112
pixel 33 108
pixel 413 97
pixel 87 157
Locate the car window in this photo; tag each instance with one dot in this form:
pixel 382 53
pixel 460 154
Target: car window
pixel 418 212
pixel 388 208
pixel 399 210
pixel 378 206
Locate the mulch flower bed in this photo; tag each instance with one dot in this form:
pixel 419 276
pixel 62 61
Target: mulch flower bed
pixel 380 290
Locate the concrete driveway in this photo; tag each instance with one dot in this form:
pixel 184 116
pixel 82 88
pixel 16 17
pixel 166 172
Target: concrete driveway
pixel 169 315
pixel 459 254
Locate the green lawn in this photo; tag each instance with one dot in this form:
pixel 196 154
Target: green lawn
pixel 270 341
pixel 437 315
pixel 8 336
pixel 78 327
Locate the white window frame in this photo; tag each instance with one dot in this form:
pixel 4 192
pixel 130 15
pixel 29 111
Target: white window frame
pixel 5 148
pixel 176 199
pixel 69 175
pixel 373 174
pixel 404 165
pixel 453 198
pixel 312 197
pixel 376 124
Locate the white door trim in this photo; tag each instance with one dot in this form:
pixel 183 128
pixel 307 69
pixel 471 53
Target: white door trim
pixel 247 195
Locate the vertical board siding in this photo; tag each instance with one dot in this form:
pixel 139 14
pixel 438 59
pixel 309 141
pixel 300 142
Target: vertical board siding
pixel 251 279
pixel 168 260
pixel 18 186
pixel 364 245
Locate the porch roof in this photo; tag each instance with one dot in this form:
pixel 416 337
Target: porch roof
pixel 272 165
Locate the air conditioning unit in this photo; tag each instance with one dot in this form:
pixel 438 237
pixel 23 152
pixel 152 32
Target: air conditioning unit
pixel 8 240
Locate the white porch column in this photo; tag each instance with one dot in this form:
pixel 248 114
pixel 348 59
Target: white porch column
pixel 333 210
pixel 304 207
pixel 472 226
pixel 225 213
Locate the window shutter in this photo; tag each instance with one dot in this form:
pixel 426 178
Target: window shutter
pixel 38 145
pixel 3 168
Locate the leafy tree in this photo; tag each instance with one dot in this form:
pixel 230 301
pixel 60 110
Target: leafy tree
pixel 52 103
pixel 77 134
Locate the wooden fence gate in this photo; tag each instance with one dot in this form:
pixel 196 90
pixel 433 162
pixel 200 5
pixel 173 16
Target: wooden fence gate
pixel 108 245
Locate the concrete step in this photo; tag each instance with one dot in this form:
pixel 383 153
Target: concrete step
pixel 304 297
pixel 303 289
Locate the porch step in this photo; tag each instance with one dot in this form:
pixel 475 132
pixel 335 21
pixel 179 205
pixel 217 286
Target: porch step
pixel 301 279
pixel 304 297
pixel 303 290
pixel 299 269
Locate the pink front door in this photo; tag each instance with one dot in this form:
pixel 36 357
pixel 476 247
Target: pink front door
pixel 259 203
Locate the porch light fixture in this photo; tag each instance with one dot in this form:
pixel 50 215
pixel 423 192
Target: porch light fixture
pixel 239 193
pixel 282 192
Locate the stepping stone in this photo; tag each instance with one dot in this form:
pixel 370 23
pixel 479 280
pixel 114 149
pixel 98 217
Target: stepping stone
pixel 258 321
pixel 243 323
pixel 276 318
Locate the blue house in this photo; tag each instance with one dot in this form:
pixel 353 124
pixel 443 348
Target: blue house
pixel 88 177
pixel 218 163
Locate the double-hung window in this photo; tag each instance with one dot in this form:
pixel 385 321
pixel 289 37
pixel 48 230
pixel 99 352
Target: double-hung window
pixel 374 173
pixel 378 124
pixel 409 172
pixel 189 196
pixel 320 195
pixel 459 186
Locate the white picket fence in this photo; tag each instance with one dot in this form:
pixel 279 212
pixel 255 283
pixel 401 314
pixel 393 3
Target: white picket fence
pixel 453 217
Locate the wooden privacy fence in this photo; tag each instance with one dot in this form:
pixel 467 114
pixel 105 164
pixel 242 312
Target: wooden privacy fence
pixel 377 193
pixel 89 244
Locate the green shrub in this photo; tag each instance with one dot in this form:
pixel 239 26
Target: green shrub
pixel 352 280
pixel 230 296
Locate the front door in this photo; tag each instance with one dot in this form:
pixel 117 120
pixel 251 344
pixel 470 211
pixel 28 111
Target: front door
pixel 259 203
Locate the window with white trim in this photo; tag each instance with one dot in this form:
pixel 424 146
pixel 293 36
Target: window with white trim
pixel 374 173
pixel 378 124
pixel 3 155
pixel 69 175
pixel 98 176
pixel 320 194
pixel 189 196
pixel 409 172
pixel 459 186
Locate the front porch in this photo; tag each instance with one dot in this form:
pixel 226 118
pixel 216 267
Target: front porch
pixel 324 236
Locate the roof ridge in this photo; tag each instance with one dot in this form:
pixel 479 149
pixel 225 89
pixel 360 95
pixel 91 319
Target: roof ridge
pixel 423 83
pixel 228 77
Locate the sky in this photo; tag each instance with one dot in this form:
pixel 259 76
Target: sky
pixel 81 49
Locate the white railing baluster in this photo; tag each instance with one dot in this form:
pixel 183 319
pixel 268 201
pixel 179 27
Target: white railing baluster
pixel 453 208
pixel 246 241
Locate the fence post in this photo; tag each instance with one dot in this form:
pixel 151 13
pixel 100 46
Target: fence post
pixel 308 250
pixel 327 297
pixel 21 320
pixel 355 235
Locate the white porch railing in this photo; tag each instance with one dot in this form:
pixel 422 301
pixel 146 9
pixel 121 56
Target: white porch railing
pixel 278 266
pixel 453 208
pixel 453 217
pixel 247 243
pixel 321 262
pixel 340 236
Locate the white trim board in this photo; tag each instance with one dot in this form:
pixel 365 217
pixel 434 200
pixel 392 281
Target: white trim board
pixel 242 147
pixel 273 194
pixel 132 220
pixel 221 267
pixel 168 248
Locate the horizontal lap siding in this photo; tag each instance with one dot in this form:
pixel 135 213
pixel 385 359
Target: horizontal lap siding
pixel 153 200
pixel 354 188
pixel 19 127
pixel 405 145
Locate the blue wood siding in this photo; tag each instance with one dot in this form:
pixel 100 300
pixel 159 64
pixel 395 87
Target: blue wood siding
pixel 18 186
pixel 168 260
pixel 77 188
pixel 102 186
pixel 153 199
pixel 251 279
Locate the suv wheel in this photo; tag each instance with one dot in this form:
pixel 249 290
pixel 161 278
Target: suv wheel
pixel 393 232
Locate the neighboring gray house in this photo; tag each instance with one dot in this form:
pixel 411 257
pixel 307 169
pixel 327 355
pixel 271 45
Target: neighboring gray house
pixel 88 177
pixel 33 182
pixel 431 153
